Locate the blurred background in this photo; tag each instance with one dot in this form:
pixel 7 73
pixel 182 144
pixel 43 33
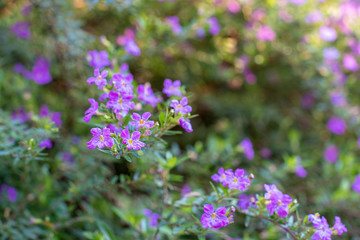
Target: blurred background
pixel 282 73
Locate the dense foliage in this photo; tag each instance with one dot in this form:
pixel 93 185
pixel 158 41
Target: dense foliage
pixel 179 119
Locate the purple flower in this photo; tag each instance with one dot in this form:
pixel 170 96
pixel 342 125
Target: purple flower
pixel 173 22
pixel 233 6
pixel 300 171
pixel 248 148
pixel 123 83
pixel 99 78
pixel 185 123
pixel 56 118
pixel 331 154
pixel 265 34
pixel 41 71
pixel 92 110
pixel 19 68
pixel 128 35
pixel 119 104
pixel 21 30
pixel 247 201
pixel 279 203
pixel 20 115
pixel 323 232
pixel 146 94
pixel 132 48
pixel 114 129
pixel 213 219
pixel 350 63
pixel 327 33
pixel 98 59
pixel 238 180
pixel 336 125
pixel 331 53
pixel 185 190
pixel 337 99
pixel 100 139
pixel 133 141
pixel 103 96
pixel 298 2
pixel 9 191
pixel 172 88
pixel 214 26
pixel 222 176
pixel 141 121
pixel 200 32
pixel 181 107
pixel 313 17
pixel 339 227
pixel 270 189
pixel 46 144
pixel 265 152
pixel 44 111
pixel 356 184
pixel 67 157
pixel 153 217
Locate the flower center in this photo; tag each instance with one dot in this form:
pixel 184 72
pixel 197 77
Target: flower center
pixel 223 176
pixel 124 84
pixel 235 180
pixel 141 121
pixel 213 215
pixel 120 101
pixel 101 138
pixel 279 202
pixel 252 199
pixel 179 106
pixel 130 141
pixel 172 88
pixel 99 77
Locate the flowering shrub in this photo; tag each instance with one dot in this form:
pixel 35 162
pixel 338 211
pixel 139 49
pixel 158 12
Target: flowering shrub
pixel 224 119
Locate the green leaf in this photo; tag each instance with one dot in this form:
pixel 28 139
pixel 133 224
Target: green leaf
pixel 162 118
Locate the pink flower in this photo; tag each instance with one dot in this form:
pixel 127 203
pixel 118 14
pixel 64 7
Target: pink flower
pixel 100 139
pixel 266 34
pixel 132 142
pixel 213 219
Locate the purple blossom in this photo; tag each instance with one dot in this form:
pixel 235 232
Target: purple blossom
pixel 21 30
pixel 185 123
pixel 214 26
pixel 222 176
pixel 313 17
pixel 132 48
pixel 25 11
pixel 356 184
pixel 41 71
pixel 141 121
pixel 339 227
pixel 238 180
pixel 213 219
pixel 350 63
pixel 11 192
pixel 265 152
pixel 336 125
pixel 331 53
pixel 185 190
pixel 173 22
pixel 233 6
pixel 20 115
pixel 103 96
pixel 114 129
pixel 19 68
pixel 92 110
pixel 181 107
pixel 265 34
pixel 172 88
pixel 67 157
pixel 298 2
pixel 248 148
pixel 327 34
pixel 123 83
pixel 128 35
pixel 270 189
pixel 55 117
pixel 146 94
pixel 120 104
pixel 100 139
pixel 200 32
pixel 99 78
pixel 300 171
pixel 247 201
pixel 331 154
pixel 152 217
pixel 337 99
pixel 44 111
pixel 46 144
pixel 98 59
pixel 132 142
pixel 279 202
pixel 323 232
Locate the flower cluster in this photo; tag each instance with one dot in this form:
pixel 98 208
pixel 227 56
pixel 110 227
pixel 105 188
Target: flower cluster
pixel 322 229
pixel 277 201
pixel 121 97
pixel 233 180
